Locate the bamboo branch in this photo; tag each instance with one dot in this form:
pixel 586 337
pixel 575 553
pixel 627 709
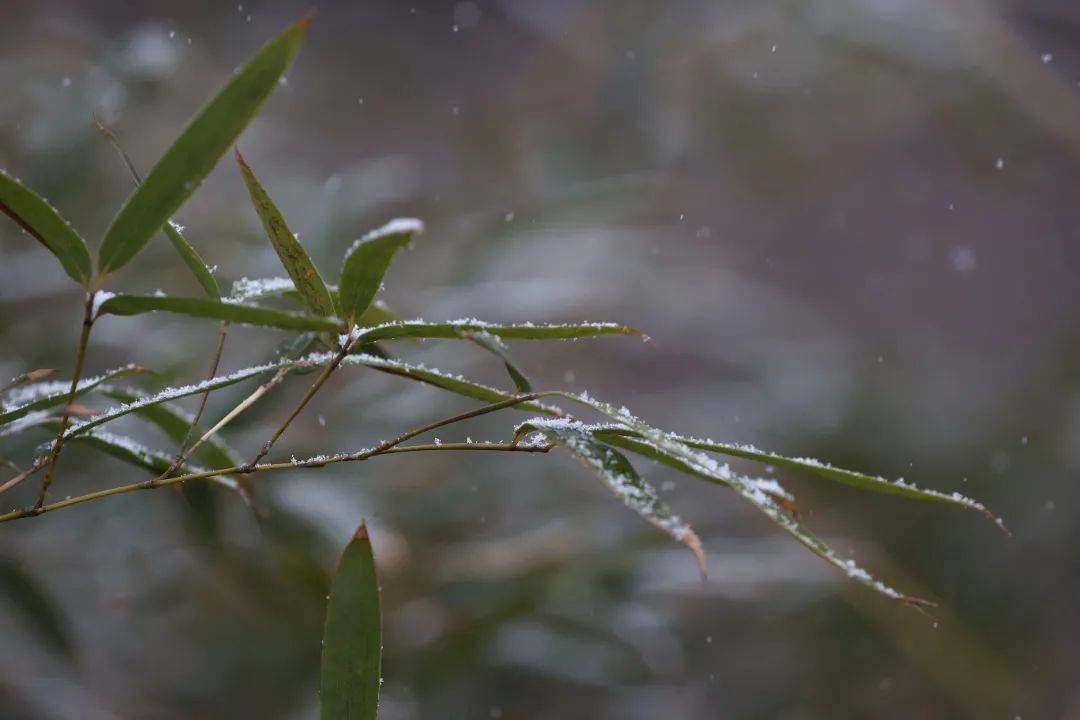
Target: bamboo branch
pixel 80 356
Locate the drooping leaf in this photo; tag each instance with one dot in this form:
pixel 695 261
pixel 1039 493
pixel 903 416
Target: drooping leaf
pixel 455 328
pixel 294 258
pixel 366 263
pixel 498 348
pixel 173 231
pixel 352 641
pixel 216 309
pixel 130 451
pixel 247 290
pixel 40 396
pixel 193 155
pixel 615 470
pixel 857 480
pixel 31 599
pixel 41 220
pixel 698 463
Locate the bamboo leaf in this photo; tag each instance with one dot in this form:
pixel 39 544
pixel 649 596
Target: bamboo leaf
pixel 216 309
pixel 173 231
pixel 41 220
pixel 366 263
pixel 352 640
pixel 453 383
pixel 857 480
pixel 618 474
pixel 173 393
pixel 498 348
pixel 245 290
pixel 294 258
pixel 193 155
pixel 455 329
pixel 40 396
pixel 698 463
pixel 132 452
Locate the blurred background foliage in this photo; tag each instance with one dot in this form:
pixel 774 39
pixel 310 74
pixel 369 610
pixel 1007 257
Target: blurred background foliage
pixel 850 228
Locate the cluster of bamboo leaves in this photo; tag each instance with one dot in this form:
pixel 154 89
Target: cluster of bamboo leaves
pixel 333 327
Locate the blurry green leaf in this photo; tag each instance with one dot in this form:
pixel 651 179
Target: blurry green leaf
pixel 216 309
pixel 454 329
pixel 39 396
pixel 23 378
pixel 454 383
pixel 697 463
pixel 172 230
pixel 366 263
pixel 615 470
pixel 32 601
pixel 132 452
pixel 39 219
pixel 245 290
pixel 294 258
pixel 194 154
pixel 498 348
pixel 352 642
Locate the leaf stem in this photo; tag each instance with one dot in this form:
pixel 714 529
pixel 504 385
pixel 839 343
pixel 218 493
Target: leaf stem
pixel 65 417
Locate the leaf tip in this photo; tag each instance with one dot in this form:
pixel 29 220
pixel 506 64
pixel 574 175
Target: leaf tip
pixel 240 159
pixel 303 23
pixel 361 532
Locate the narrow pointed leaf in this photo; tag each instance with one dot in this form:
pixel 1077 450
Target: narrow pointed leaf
pixel 453 383
pixel 857 480
pixel 174 423
pixel 216 309
pixel 40 396
pixel 498 348
pixel 41 220
pixel 294 258
pixel 173 393
pixel 23 378
pixel 128 450
pixel 194 154
pixel 698 463
pixel 455 328
pixel 247 291
pixel 615 470
pixel 352 640
pixel 366 263
pixel 173 231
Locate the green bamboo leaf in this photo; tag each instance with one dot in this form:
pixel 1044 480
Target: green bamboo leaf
pixel 618 474
pixel 26 377
pixel 352 640
pixel 366 263
pixel 41 220
pixel 498 348
pixel 698 463
pixel 169 394
pixel 294 258
pixel 453 383
pixel 216 309
pixel 854 479
pixel 40 396
pixel 193 155
pixel 174 423
pixel 455 329
pixel 128 450
pixel 173 231
pixel 247 290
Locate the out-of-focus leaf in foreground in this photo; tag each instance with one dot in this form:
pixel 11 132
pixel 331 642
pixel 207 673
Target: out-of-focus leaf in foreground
pixel 352 642
pixel 41 220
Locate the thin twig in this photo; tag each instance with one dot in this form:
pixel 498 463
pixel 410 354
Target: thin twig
pixel 180 454
pixel 346 346
pixel 80 356
pixel 384 448
pixel 236 411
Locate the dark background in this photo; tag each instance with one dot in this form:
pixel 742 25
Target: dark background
pixel 850 227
